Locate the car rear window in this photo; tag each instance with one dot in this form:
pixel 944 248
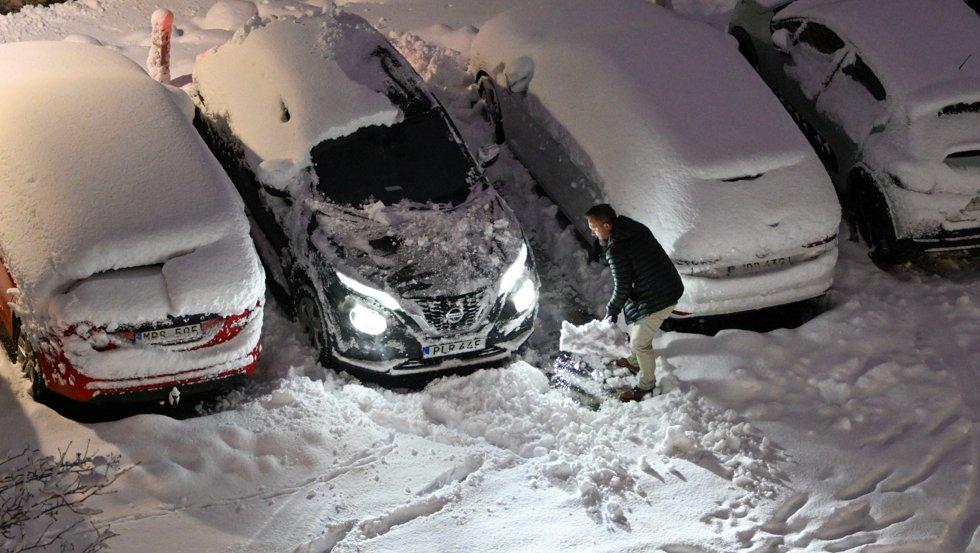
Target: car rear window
pixel 820 38
pixel 860 72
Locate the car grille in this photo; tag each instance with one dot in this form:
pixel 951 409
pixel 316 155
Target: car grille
pixel 453 314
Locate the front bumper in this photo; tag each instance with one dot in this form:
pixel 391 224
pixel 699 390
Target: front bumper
pixel 705 297
pixel 966 240
pixel 399 350
pixel 77 386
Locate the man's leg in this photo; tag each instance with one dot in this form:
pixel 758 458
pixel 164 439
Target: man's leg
pixel 642 334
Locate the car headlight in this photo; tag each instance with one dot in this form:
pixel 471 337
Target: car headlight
pixel 368 320
pixel 384 298
pixel 525 296
pixel 513 274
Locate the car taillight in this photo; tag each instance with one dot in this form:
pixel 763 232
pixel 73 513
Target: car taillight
pixel 827 240
pixel 681 313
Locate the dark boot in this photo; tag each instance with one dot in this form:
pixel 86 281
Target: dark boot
pixel 634 394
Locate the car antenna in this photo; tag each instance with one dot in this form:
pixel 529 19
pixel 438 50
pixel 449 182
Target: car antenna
pixel 964 62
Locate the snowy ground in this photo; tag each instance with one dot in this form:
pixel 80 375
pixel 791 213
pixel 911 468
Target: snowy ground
pixel 855 432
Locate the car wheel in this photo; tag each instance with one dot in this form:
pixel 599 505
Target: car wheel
pixel 309 314
pixel 488 93
pixel 874 221
pixel 27 360
pixel 745 47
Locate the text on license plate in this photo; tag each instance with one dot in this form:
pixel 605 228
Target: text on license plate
pixel 454 347
pixel 757 266
pixel 173 335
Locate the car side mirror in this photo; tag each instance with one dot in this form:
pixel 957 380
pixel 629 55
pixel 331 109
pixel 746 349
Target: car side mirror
pixel 781 40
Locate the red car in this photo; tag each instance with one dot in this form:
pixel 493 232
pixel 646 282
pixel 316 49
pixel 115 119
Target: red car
pixel 128 270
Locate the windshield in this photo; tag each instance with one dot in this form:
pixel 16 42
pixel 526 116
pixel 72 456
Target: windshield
pixel 418 159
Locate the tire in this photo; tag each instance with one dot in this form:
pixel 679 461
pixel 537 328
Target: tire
pixel 488 93
pixel 27 360
pixel 746 48
pixel 309 314
pixel 874 220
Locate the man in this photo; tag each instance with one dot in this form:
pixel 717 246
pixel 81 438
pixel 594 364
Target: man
pixel 646 287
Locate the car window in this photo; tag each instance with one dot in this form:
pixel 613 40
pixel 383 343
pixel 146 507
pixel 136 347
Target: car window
pixel 820 38
pixel 860 72
pixel 791 25
pixel 417 159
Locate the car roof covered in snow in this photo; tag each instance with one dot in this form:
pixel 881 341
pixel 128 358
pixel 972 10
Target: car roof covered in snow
pixel 923 51
pixel 657 110
pixel 99 169
pixel 283 85
pixel 632 80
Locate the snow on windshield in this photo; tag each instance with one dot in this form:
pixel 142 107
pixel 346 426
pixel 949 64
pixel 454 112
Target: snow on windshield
pixel 101 170
pixel 285 84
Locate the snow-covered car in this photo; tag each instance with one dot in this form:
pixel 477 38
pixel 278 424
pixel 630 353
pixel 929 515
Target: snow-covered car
pixel 128 267
pixel 626 103
pixel 889 95
pixel 368 209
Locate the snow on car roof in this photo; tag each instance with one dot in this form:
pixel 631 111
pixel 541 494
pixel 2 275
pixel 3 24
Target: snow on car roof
pixel 913 46
pixel 286 84
pixel 644 92
pixel 99 169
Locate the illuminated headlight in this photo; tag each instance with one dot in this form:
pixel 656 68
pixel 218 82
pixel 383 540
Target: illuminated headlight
pixel 368 320
pixel 384 298
pixel 513 274
pixel 525 296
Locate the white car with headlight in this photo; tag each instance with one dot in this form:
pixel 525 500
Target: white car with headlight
pixel 628 104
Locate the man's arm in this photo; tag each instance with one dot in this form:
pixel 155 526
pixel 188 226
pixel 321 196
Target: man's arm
pixel 622 273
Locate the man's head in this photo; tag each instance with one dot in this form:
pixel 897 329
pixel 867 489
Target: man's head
pixel 601 218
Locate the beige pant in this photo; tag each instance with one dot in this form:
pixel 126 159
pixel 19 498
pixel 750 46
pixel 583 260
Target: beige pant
pixel 642 333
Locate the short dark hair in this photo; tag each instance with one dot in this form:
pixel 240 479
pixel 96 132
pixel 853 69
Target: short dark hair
pixel 604 213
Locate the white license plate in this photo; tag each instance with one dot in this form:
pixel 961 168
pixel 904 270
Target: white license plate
pixel 172 335
pixel 758 266
pixel 454 347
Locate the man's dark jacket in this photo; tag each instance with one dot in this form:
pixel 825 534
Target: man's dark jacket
pixel 645 281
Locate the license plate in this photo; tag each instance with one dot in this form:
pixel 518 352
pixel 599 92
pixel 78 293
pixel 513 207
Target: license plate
pixel 172 335
pixel 758 266
pixel 452 348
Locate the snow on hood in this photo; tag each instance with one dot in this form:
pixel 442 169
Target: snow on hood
pixel 286 84
pixel 101 170
pixel 661 109
pixel 189 284
pixel 422 251
pixel 925 52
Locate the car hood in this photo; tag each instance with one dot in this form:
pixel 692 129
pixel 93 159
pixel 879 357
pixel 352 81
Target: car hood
pixel 415 250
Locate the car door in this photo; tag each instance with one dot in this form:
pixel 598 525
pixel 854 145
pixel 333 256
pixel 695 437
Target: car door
pixel 855 100
pixel 564 180
pixel 803 62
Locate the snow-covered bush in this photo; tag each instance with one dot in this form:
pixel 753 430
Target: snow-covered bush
pixel 43 500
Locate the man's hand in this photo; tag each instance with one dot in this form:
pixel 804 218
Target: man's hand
pixel 611 318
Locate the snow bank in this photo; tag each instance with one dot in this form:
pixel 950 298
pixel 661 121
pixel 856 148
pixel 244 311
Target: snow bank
pixel 227 15
pixel 602 338
pixel 286 84
pixel 104 172
pixel 632 110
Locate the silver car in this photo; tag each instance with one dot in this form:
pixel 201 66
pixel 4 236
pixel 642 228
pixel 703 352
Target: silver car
pixel 888 93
